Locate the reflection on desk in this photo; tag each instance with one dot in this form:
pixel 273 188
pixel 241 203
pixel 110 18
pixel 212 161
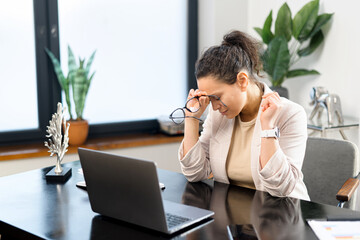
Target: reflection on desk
pixel 31 208
pixel 272 217
pixel 103 228
pixel 280 217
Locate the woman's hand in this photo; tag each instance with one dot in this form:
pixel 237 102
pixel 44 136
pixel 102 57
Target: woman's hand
pixel 204 102
pixel 270 109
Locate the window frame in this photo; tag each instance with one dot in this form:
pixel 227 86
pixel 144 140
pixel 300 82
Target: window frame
pixel 48 89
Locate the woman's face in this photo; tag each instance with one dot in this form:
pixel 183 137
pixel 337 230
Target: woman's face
pixel 233 96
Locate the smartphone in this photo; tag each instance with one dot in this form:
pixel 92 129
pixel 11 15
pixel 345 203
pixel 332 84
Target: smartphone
pixel 81 185
pixel 244 231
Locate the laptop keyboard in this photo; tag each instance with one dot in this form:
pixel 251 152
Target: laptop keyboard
pixel 174 220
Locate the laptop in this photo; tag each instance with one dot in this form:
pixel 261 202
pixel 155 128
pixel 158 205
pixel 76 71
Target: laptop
pixel 128 189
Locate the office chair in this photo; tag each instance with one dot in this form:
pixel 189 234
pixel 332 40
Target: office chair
pixel 330 165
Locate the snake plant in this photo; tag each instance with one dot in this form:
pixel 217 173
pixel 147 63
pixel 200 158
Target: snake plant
pixel 292 39
pixel 78 80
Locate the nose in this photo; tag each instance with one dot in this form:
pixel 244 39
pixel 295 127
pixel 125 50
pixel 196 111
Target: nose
pixel 215 105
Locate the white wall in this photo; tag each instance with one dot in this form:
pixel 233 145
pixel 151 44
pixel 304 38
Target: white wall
pixel 218 17
pixel 336 60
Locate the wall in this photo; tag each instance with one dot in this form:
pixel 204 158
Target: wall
pixel 217 17
pixel 165 155
pixel 336 59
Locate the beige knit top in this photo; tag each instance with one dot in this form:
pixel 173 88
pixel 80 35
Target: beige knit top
pixel 238 164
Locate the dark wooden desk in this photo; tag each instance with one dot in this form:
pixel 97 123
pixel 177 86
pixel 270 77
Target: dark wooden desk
pixel 31 208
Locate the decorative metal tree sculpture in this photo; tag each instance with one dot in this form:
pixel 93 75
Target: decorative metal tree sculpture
pixel 58 144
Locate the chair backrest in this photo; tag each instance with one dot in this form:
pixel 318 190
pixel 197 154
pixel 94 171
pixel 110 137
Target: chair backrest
pixel 327 165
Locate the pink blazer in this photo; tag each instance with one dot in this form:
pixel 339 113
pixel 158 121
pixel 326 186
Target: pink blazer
pixel 280 177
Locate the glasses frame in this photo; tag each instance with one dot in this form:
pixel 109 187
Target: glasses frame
pixel 189 110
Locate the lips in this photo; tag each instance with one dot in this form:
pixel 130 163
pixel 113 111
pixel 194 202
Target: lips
pixel 224 113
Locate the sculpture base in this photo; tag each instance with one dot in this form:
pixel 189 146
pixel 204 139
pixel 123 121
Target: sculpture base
pixel 58 177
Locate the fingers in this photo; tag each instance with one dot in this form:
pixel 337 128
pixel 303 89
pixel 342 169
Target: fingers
pixel 265 105
pixel 204 102
pixel 275 94
pixel 271 100
pixel 191 94
pixel 199 93
pixel 196 93
pixel 271 106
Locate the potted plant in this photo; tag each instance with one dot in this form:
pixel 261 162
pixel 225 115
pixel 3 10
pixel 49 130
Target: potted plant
pixel 292 40
pixel 77 82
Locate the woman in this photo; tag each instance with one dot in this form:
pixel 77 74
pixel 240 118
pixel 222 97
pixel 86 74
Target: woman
pixel 240 143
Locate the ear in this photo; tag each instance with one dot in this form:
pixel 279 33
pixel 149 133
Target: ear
pixel 242 80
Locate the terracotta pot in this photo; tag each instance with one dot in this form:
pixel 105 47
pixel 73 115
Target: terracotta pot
pixel 78 131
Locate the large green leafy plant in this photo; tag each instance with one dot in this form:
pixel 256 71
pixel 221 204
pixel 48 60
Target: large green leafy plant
pixel 78 81
pixel 292 39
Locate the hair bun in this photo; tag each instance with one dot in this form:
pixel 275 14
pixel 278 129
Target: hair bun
pixel 234 38
pixel 237 51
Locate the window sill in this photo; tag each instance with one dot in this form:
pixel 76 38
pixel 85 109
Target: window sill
pixel 39 150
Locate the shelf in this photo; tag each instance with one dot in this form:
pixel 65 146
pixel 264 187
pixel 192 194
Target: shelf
pixel 39 150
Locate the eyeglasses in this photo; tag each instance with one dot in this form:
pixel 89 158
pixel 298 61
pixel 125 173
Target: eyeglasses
pixel 192 105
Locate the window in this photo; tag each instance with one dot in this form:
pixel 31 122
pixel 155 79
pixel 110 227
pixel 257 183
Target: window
pixel 146 51
pixel 18 92
pixel 140 62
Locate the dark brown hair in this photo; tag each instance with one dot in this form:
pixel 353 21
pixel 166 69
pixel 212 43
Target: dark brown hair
pixel 238 51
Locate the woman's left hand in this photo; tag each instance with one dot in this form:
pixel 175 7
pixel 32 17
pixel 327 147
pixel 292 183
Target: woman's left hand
pixel 270 108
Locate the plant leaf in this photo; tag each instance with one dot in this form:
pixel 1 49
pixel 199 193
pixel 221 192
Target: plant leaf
pixel 259 31
pixel 86 90
pixel 267 35
pixel 276 60
pixel 88 65
pixel 301 72
pixel 57 68
pixel 320 21
pixel 89 82
pixel 71 64
pixel 304 20
pixel 64 82
pixel 79 84
pixel 314 43
pixel 283 23
pixel 67 98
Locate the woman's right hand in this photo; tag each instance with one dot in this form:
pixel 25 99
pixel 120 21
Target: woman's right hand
pixel 204 102
pixel 191 129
